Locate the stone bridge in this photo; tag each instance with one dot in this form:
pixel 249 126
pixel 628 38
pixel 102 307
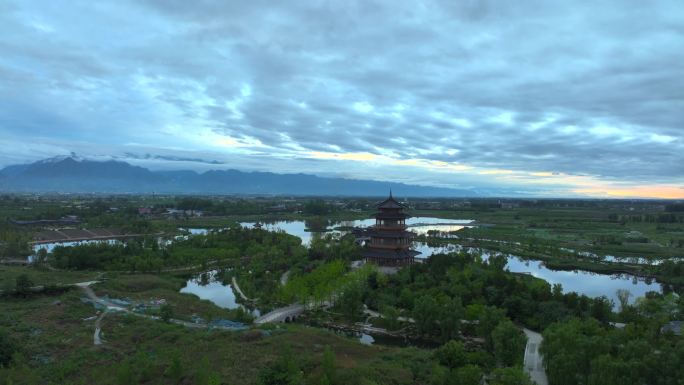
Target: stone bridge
pixel 283 314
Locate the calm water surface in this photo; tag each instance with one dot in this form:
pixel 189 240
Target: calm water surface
pixel 579 281
pixel 582 282
pixel 208 286
pixel 419 225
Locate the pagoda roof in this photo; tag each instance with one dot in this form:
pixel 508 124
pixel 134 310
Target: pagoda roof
pixel 389 254
pixel 390 203
pixel 391 215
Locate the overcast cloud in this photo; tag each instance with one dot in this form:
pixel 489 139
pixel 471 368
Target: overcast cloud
pixel 552 98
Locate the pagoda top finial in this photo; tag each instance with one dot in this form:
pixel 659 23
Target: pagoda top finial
pixel 390 203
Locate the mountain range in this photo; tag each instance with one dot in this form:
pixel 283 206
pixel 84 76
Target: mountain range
pixel 75 175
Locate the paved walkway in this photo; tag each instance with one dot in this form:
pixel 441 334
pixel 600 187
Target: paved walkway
pixel 533 362
pixel 375 314
pixel 280 314
pixel 236 287
pixel 284 278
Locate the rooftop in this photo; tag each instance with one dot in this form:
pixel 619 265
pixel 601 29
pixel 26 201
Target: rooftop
pixel 390 203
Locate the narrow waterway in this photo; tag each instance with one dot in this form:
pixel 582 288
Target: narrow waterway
pixel 582 282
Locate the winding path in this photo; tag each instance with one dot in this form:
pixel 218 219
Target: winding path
pixel 109 307
pixel 98 329
pixel 236 287
pixel 533 361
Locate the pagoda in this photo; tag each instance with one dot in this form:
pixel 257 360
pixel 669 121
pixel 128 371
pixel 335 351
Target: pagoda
pixel 390 243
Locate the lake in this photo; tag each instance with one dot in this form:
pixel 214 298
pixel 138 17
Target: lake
pixel 419 225
pixel 582 282
pixel 208 286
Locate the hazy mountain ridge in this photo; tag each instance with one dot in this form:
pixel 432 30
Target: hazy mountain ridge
pixel 70 175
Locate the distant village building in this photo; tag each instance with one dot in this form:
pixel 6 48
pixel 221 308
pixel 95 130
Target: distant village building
pixel 390 243
pixel 66 220
pixel 187 213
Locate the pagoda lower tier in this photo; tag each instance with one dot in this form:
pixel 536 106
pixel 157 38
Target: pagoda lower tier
pixel 389 257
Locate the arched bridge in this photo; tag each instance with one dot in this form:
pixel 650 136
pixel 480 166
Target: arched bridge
pixel 283 314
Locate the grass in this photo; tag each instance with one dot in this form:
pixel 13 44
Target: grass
pixel 57 344
pixel 145 287
pixel 578 228
pixel 42 276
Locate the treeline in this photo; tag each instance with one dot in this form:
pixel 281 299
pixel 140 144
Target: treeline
pixel 459 295
pixel 262 249
pixel 446 279
pixel 453 298
pixel 586 352
pixel 13 242
pixel 581 346
pixel 669 217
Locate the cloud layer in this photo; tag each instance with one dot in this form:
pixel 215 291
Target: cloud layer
pixel 549 98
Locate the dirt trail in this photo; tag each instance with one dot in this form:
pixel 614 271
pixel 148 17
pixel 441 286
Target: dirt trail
pixel 110 307
pixel 96 336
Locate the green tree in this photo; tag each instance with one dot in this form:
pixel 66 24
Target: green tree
pixel 450 316
pixel 175 370
pixel 391 316
pixel 425 313
pixel 467 375
pixel 439 375
pixel 602 308
pixel 329 375
pixel 489 318
pixel 8 347
pixel 23 284
pixel 569 348
pixel 452 354
pixel 41 256
pixel 350 301
pixel 143 366
pixel 205 375
pixel 509 344
pixel 607 370
pixel 285 371
pixel 124 374
pixel 166 312
pixel 623 296
pixel 510 376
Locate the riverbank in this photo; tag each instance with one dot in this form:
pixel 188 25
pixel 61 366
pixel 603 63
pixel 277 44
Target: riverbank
pixel 555 258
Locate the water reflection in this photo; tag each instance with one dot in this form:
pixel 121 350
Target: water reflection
pixel 402 342
pixel 579 281
pixel 419 225
pixel 209 286
pixel 366 339
pixel 583 282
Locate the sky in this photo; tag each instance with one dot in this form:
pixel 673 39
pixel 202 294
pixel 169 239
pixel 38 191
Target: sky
pixel 548 98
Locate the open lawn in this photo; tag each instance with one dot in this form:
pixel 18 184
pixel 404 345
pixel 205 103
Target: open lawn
pixel 55 339
pixel 42 276
pixel 601 230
